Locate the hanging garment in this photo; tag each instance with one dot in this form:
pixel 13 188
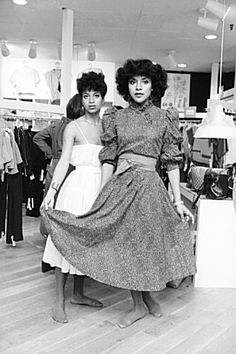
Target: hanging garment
pixel 36 171
pixel 11 189
pixel 230 156
pixel 3 206
pixel 53 79
pixel 14 208
pixel 201 152
pixel 25 80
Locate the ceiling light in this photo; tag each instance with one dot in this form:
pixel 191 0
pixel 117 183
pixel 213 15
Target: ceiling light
pixel 171 59
pixel 91 51
pixel 182 65
pixel 4 49
pixel 20 2
pixel 32 49
pixel 218 9
pixel 216 125
pixel 210 36
pixel 209 23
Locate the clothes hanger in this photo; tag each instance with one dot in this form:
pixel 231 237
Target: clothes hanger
pixel 57 65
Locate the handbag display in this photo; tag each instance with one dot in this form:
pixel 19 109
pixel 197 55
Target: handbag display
pixel 217 184
pixel 195 177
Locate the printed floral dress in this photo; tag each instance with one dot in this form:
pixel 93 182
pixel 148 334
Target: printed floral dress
pixel 132 237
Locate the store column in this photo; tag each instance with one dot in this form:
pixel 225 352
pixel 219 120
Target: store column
pixel 66 55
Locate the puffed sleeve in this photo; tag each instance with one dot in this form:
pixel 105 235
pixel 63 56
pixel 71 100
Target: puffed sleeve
pixel 170 154
pixel 109 138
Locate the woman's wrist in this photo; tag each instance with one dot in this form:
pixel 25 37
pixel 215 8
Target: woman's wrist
pixel 55 186
pixel 178 202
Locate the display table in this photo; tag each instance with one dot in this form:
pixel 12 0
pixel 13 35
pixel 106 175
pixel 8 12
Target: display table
pixel 216 241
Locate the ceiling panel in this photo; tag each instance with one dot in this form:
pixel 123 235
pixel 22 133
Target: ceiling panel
pixel 124 28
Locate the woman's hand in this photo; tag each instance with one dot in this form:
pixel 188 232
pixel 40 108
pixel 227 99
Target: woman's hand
pixel 184 213
pixel 48 201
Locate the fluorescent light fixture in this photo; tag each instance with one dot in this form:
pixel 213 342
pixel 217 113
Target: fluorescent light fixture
pixel 171 59
pixel 4 49
pixel 182 65
pixel 217 8
pixel 20 2
pixel 91 51
pixel 32 49
pixel 210 36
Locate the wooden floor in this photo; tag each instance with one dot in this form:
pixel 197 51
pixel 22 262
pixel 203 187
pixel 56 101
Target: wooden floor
pixel 195 320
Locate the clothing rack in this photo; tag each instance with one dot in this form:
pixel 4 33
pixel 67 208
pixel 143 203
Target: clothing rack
pixel 13 118
pixel 194 120
pixel 34 123
pixel 189 121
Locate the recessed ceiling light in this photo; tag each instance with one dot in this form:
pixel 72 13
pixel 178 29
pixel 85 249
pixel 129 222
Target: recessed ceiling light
pixel 210 36
pixel 182 65
pixel 20 2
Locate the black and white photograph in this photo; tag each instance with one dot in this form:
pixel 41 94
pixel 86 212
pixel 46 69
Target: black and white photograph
pixel 117 176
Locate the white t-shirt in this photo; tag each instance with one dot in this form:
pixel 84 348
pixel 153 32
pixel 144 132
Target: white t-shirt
pixel 25 80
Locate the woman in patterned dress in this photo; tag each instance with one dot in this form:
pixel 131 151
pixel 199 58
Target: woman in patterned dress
pixel 134 237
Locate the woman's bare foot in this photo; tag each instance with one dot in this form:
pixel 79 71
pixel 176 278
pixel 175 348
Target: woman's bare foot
pixel 85 300
pixel 131 317
pixel 58 313
pixel 152 305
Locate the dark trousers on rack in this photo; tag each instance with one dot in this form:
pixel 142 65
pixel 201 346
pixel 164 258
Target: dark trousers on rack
pixel 3 205
pixel 14 208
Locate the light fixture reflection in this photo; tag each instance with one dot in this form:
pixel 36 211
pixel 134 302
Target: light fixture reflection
pixel 171 59
pixel 20 2
pixel 32 49
pixel 210 36
pixel 182 65
pixel 4 49
pixel 91 51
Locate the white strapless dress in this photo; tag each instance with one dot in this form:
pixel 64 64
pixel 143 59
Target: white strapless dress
pixel 76 196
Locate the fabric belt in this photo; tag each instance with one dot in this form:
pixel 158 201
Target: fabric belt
pixel 138 162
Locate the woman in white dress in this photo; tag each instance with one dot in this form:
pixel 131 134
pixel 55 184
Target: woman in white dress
pixel 81 146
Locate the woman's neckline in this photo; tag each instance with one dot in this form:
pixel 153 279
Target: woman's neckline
pixel 87 144
pixel 90 122
pixel 141 108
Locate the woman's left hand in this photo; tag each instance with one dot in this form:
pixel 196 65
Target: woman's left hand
pixel 184 213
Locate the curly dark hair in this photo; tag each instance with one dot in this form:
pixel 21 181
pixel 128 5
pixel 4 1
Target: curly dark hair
pixel 92 81
pixel 74 107
pixel 141 67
